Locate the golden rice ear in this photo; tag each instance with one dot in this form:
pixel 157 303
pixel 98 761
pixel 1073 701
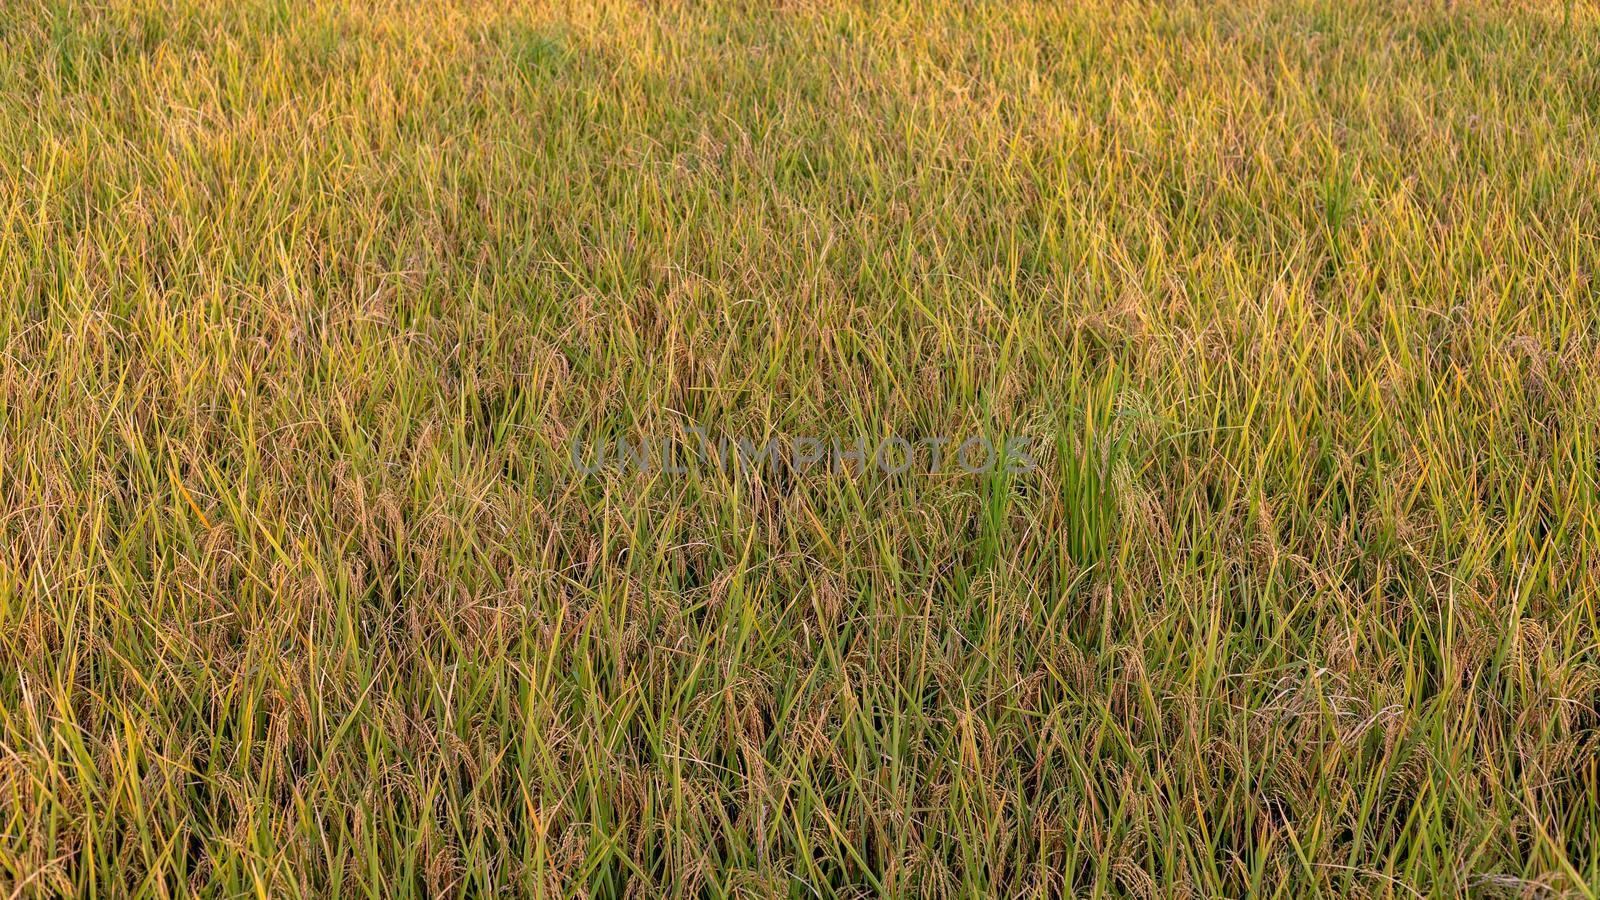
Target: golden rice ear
pixel 1339 648
pixel 1531 638
pixel 1135 880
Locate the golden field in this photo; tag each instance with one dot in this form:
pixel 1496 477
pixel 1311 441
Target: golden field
pixel 306 303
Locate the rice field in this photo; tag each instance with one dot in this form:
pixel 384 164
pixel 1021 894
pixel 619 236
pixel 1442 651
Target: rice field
pixel 509 447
